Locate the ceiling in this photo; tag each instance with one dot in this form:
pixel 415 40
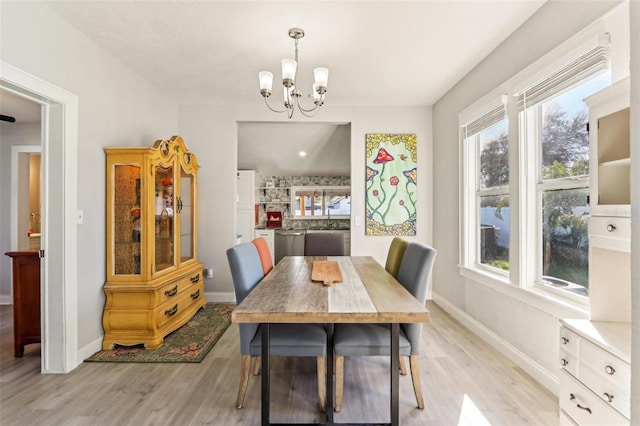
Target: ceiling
pixel 23 110
pixel 379 53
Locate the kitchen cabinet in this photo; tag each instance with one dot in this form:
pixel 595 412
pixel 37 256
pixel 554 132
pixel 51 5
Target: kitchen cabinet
pixel 154 279
pixel 610 209
pixel 595 372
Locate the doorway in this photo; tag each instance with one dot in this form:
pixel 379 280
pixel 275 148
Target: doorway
pixel 59 324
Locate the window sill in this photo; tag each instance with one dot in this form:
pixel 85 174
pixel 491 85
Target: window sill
pixel 537 297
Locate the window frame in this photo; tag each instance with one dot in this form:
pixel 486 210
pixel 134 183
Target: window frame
pixel 525 273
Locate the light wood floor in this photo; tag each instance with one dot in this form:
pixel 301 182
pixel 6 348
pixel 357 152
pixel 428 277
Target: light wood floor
pixel 465 382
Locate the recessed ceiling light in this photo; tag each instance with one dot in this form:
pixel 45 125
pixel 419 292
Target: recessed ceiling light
pixel 302 154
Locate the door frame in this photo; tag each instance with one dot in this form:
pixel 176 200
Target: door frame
pixel 59 278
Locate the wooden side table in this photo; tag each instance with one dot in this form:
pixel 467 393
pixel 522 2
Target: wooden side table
pixel 26 299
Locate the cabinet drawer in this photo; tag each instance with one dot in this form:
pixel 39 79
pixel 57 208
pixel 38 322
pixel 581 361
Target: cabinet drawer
pixel 607 375
pixel 568 341
pixel 613 233
pixel 172 310
pixel 266 234
pixel 173 289
pixel 584 407
pixel 569 362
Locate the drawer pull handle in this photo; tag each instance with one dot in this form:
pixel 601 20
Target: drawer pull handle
pixel 608 397
pixel 564 362
pixel 171 312
pixel 172 292
pixel 573 397
pixel 564 340
pixel 611 227
pixel 610 370
pixel 195 295
pixel 195 279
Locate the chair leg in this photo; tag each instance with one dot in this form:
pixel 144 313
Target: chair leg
pixel 414 362
pixel 339 381
pixel 244 380
pixel 403 366
pixel 257 365
pixel 321 367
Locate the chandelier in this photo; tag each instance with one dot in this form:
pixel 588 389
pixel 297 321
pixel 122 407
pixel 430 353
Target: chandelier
pixel 291 93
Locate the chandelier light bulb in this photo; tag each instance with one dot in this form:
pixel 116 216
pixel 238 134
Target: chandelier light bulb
pixel 289 72
pixel 321 76
pixel 266 82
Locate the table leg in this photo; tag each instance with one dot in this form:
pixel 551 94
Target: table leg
pixel 395 376
pixel 266 401
pixel 330 397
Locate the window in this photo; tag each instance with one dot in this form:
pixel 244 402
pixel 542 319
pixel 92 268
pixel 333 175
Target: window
pixel 561 143
pixel 525 177
pixel 320 202
pixel 488 138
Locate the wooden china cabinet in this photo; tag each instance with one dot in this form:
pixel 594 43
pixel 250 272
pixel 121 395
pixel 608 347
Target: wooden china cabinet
pixel 154 280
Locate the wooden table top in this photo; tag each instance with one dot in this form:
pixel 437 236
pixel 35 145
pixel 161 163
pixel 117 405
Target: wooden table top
pixel 368 294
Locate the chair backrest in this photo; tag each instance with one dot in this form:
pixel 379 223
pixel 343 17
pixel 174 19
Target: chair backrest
pixel 414 274
pixel 324 244
pixel 264 253
pixel 394 257
pixel 246 271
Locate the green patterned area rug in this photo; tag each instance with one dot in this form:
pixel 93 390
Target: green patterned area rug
pixel 190 343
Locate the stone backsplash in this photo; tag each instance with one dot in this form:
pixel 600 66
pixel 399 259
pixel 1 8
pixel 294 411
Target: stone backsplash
pixel 274 195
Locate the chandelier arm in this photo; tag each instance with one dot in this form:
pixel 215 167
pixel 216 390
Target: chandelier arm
pixel 305 109
pixel 274 110
pixel 306 113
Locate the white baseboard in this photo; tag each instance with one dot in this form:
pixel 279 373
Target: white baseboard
pixel 5 299
pixel 543 376
pixel 87 350
pixel 220 297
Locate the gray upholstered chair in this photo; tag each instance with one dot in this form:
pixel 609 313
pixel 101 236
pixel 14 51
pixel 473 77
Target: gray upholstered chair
pixel 300 340
pixel 373 339
pixel 324 244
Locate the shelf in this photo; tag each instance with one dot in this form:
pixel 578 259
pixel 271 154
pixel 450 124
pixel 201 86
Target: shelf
pixel 274 202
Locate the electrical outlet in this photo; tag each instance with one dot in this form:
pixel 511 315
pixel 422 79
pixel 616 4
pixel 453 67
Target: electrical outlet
pixel 208 273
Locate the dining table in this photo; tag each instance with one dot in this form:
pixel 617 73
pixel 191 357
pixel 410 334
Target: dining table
pixel 366 293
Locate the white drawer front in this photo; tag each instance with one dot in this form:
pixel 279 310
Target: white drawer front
pixel 584 407
pixel 607 375
pixel 565 420
pixel 613 233
pixel 568 341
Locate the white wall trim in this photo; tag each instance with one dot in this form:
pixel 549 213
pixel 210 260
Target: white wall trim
pixel 544 377
pixel 6 299
pixel 220 297
pixel 87 350
pixel 60 294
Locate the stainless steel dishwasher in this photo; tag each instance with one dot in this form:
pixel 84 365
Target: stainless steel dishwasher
pixel 289 242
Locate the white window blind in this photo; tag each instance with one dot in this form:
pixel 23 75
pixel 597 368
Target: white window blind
pixel 589 64
pixel 494 116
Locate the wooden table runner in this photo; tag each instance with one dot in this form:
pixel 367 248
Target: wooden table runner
pixel 326 272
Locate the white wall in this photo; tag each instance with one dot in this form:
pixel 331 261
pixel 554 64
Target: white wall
pixel 11 134
pixel 116 108
pixel 525 332
pixel 211 133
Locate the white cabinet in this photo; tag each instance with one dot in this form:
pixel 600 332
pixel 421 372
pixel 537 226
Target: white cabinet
pixel 245 205
pixel 610 223
pixel 595 372
pixel 267 234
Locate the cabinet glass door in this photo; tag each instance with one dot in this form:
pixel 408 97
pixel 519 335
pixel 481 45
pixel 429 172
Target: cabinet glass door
pixel 164 217
pixel 126 219
pixel 186 213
